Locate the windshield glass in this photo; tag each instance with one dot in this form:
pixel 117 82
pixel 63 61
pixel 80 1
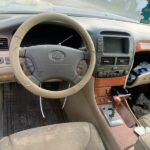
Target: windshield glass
pixel 138 10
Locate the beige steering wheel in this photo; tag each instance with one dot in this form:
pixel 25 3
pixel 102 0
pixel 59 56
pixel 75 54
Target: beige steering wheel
pixel 15 51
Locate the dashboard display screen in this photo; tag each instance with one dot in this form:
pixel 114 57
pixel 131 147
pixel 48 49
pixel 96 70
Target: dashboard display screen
pixel 116 45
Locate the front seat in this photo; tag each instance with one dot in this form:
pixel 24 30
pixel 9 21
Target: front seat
pixel 145 120
pixel 67 136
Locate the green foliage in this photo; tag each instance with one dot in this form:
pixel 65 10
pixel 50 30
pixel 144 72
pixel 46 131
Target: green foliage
pixel 146 14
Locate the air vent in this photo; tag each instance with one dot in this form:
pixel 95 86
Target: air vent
pixel 123 60
pixel 107 60
pixel 115 33
pixel 3 43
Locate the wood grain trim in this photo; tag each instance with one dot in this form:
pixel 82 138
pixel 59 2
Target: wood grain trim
pixel 143 45
pixel 109 82
pixel 102 92
pixel 104 100
pixel 103 86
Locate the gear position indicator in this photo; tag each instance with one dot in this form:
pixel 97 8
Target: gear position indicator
pixel 114 120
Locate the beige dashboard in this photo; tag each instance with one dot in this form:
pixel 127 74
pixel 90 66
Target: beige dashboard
pixel 140 33
pixel 6 71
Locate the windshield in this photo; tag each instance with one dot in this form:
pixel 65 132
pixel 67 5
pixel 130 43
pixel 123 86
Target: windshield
pixel 138 10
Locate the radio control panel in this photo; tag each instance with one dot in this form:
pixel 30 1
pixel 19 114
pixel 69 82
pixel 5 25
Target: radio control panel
pixel 115 54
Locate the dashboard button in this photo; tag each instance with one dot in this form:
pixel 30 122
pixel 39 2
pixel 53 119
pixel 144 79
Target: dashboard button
pixel 125 72
pixel 114 68
pixel 29 65
pixel 7 60
pixel 1 60
pixel 100 74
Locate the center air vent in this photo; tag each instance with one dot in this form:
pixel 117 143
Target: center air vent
pixel 3 43
pixel 107 60
pixel 123 60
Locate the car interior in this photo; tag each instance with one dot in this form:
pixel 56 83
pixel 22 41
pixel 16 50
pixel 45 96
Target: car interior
pixel 73 83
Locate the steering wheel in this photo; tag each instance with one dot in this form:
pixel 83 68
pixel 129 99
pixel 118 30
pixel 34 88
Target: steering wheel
pixel 51 61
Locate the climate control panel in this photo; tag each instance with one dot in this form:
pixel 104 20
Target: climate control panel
pixel 109 74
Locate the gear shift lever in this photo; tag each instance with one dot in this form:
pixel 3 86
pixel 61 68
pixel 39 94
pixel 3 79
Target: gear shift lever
pixel 109 110
pixel 118 100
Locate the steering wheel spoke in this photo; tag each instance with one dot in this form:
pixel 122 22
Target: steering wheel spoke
pixel 34 80
pixel 22 51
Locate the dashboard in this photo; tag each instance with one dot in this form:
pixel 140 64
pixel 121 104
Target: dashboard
pixel 115 42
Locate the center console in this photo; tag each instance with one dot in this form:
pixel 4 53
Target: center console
pixel 114 111
pixel 115 55
pixel 115 52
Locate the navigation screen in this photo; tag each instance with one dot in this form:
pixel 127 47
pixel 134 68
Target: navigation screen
pixel 116 45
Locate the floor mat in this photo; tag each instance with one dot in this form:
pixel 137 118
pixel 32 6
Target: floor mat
pixel 22 110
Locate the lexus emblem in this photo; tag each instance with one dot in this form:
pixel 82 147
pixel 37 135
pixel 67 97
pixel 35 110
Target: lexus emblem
pixel 57 56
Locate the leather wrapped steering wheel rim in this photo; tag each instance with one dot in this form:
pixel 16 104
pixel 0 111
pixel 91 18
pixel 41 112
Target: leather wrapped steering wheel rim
pixel 15 49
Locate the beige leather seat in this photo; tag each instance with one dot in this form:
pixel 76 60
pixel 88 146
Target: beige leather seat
pixel 67 136
pixel 145 120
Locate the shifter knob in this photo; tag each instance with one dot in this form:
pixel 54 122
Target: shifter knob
pixel 119 99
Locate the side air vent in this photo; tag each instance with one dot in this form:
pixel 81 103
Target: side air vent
pixel 3 43
pixel 123 60
pixel 107 60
